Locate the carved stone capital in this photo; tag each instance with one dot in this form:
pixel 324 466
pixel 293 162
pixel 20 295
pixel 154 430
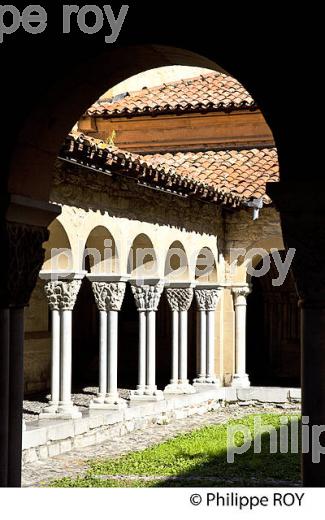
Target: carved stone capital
pixel 240 294
pixel 147 296
pixel 109 296
pixel 62 294
pixel 179 299
pixel 207 299
pixel 22 259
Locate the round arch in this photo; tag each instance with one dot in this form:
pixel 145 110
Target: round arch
pixel 58 251
pixel 142 258
pixel 205 266
pixel 100 254
pixel 176 263
pixel 44 132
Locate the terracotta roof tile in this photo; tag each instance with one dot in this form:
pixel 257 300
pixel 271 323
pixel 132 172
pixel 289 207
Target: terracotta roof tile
pixel 227 176
pixel 240 172
pixel 209 92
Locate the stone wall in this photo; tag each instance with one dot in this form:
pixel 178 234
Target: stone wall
pixel 44 439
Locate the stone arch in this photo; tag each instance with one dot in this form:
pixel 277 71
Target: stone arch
pixel 58 250
pixel 53 117
pixel 142 258
pixel 101 254
pixel 205 266
pixel 176 262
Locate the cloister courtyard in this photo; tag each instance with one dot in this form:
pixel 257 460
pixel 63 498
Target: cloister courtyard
pixel 161 285
pixel 164 275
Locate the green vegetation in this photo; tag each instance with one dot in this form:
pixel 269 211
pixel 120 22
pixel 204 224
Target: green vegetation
pixel 198 458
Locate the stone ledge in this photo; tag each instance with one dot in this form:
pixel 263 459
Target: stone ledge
pixel 49 438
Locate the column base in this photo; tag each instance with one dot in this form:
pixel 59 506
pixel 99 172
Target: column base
pixel 110 402
pixel 179 388
pixel 240 381
pixel 50 409
pixel 146 394
pixel 63 411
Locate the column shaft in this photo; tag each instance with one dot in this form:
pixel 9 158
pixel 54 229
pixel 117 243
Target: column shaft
pixel 102 354
pixel 240 378
pixel 147 297
pixel 66 359
pixel 175 347
pixel 55 369
pixel 210 316
pixel 142 350
pixel 183 347
pixel 240 337
pixel 202 344
pixel 4 394
pixel 151 350
pixel 112 318
pixel 16 380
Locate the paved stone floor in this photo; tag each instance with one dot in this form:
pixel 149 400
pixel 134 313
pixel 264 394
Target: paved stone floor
pixel 74 463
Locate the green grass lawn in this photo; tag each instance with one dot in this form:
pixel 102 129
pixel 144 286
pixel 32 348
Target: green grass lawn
pixel 198 458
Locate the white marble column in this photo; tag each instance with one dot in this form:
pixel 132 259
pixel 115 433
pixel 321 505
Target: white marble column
pixel 180 297
pixel 109 291
pixel 147 296
pixel 240 378
pixel 207 297
pixel 61 290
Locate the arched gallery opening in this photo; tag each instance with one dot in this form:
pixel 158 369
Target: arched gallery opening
pixel 273 330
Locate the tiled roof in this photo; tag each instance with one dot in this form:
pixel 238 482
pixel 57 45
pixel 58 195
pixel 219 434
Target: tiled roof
pixel 241 172
pixel 206 93
pixel 230 177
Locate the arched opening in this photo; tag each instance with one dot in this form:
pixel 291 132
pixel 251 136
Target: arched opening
pixel 142 259
pixel 100 257
pixel 43 133
pixel 64 103
pixel 58 252
pixel 100 252
pixel 205 268
pixel 176 264
pixel 273 330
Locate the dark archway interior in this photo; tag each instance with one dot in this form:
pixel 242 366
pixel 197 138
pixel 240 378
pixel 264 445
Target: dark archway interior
pixel 273 331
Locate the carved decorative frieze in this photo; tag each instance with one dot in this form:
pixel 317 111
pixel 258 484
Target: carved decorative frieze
pixel 147 297
pixel 23 257
pixel 109 296
pixel 207 299
pixel 62 294
pixel 179 299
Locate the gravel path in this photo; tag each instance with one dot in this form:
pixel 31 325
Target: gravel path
pixel 74 463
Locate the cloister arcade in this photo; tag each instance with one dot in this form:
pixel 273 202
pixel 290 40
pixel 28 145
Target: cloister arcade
pixel 32 143
pixel 116 264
